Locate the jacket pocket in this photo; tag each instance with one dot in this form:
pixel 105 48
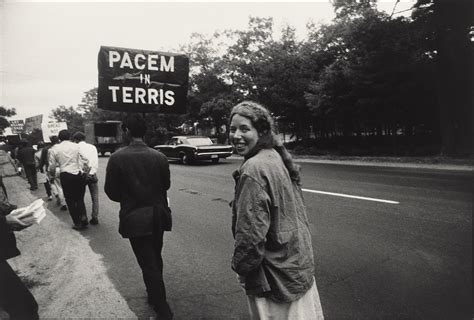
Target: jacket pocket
pixel 256 282
pixel 137 223
pixel 280 238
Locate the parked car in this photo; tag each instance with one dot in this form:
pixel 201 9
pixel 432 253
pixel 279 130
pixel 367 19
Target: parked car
pixel 190 148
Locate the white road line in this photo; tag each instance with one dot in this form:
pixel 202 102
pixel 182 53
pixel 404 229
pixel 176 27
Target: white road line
pixel 349 196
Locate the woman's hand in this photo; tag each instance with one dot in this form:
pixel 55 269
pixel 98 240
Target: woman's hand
pixel 17 224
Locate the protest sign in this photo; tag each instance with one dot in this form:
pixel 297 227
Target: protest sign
pixel 52 129
pixel 32 123
pixel 17 126
pixel 132 80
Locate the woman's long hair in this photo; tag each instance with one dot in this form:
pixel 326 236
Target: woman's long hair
pixel 262 121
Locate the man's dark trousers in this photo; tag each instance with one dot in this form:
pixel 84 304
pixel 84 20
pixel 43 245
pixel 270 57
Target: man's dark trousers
pixel 31 175
pixel 15 298
pixel 147 250
pixel 74 189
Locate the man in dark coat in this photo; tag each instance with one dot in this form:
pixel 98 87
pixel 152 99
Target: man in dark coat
pixel 15 298
pixel 138 177
pixel 26 156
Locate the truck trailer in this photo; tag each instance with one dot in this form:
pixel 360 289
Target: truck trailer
pixel 105 135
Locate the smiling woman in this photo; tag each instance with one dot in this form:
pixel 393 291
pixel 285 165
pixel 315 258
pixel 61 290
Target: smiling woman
pixel 273 254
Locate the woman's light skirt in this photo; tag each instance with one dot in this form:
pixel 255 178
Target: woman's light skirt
pixel 308 307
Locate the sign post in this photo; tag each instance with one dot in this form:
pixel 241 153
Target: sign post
pixel 132 80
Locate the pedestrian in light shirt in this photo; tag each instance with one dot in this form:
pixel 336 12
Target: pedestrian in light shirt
pixel 54 176
pixel 89 152
pixel 68 158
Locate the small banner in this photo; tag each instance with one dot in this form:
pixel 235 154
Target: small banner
pixel 17 126
pixel 132 80
pixel 32 123
pixel 52 128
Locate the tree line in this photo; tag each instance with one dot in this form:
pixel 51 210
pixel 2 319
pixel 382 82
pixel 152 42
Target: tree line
pixel 369 82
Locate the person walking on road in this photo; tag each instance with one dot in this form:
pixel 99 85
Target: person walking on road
pixel 40 155
pixel 15 298
pixel 89 152
pixel 67 157
pixel 138 177
pixel 26 156
pixel 54 177
pixel 273 254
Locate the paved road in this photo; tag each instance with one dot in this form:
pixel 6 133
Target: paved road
pixel 375 259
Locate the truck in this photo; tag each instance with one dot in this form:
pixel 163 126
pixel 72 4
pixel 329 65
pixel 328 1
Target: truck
pixel 105 135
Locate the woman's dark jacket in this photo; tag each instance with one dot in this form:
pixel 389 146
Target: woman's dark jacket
pixel 273 253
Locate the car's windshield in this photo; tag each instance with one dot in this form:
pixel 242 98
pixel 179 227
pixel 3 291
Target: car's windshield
pixel 199 141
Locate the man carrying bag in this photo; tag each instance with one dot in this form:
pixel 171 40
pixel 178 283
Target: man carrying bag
pixel 138 177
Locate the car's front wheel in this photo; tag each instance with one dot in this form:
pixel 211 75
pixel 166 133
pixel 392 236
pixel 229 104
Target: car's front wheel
pixel 185 158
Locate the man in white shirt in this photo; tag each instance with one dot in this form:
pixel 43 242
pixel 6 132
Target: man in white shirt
pixel 89 152
pixel 56 187
pixel 67 157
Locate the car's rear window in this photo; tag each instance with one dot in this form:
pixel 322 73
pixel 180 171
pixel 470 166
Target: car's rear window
pixel 199 141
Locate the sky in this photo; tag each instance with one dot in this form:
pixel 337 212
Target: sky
pixel 49 49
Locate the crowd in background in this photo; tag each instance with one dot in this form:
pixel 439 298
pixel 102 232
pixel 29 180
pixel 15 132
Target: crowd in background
pixel 65 166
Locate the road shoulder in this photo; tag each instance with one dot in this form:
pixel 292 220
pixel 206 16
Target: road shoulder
pixel 66 277
pixel 433 163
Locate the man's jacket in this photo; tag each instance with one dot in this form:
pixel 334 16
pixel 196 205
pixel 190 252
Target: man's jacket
pixel 26 156
pixel 138 177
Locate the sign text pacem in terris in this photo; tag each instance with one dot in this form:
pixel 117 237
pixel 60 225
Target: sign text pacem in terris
pixel 132 80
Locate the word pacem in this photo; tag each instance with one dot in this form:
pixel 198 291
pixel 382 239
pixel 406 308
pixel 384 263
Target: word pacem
pixel 140 61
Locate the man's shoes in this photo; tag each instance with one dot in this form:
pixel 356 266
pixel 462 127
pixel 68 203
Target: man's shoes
pixel 166 314
pixel 33 188
pixel 150 301
pixel 94 221
pixel 79 226
pixel 50 198
pixel 64 208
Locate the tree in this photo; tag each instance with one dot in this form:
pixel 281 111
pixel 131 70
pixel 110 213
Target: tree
pixel 74 119
pixel 218 109
pixel 88 108
pixel 5 112
pixel 243 58
pixel 446 26
pixel 374 76
pixel 206 73
pixel 347 9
